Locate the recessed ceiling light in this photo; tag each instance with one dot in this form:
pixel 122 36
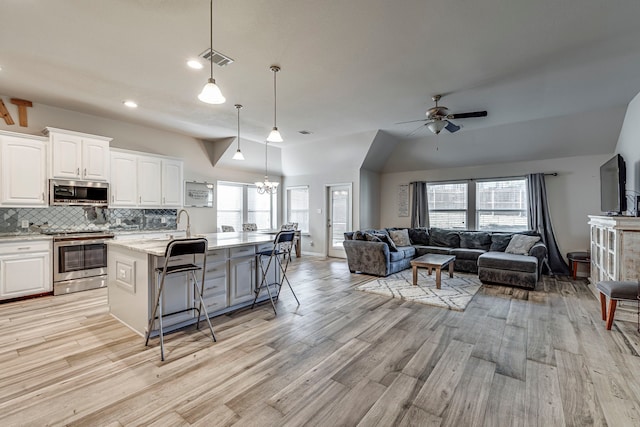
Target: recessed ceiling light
pixel 195 64
pixel 130 104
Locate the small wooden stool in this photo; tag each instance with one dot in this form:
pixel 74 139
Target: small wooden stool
pixel 576 258
pixel 615 291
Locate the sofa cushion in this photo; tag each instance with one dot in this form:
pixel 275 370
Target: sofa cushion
pixel 520 244
pixel 500 241
pixel 510 262
pixel 446 238
pixel 403 252
pixel 475 240
pixel 400 237
pixel 419 236
pixel 424 249
pixel 464 253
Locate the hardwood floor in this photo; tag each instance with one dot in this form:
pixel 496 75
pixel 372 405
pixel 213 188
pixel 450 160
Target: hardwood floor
pixel 513 358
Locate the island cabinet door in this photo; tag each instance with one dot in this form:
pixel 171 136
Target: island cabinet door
pixel 272 270
pixel 176 297
pixel 242 279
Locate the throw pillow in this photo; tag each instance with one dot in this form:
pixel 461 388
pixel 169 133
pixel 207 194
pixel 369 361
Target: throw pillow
pixel 475 240
pixel 400 237
pixel 500 241
pixel 382 238
pixel 419 236
pixel 520 244
pixel 359 235
pixel 444 238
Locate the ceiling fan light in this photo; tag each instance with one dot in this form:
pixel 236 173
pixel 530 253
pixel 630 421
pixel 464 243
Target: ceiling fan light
pixel 274 136
pixel 437 126
pixel 238 155
pixel 211 93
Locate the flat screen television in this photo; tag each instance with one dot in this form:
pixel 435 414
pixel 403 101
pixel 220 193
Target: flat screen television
pixel 613 177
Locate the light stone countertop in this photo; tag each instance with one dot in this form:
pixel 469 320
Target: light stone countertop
pixel 15 237
pixel 157 247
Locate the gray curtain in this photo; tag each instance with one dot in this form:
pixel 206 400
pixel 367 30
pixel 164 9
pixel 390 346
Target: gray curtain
pixel 540 221
pixel 419 207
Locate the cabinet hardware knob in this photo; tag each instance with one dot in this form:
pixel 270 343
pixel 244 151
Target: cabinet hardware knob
pixel 85 172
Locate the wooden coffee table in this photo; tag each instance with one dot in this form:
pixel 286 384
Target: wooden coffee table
pixel 433 261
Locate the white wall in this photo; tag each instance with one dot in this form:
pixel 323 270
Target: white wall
pixel 319 164
pixel 573 194
pixel 629 147
pixel 197 166
pixel 369 199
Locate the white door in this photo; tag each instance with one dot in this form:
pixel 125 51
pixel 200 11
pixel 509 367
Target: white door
pixel 339 218
pixel 23 172
pixel 124 189
pixel 95 160
pixel 149 181
pixel 67 156
pixel 172 184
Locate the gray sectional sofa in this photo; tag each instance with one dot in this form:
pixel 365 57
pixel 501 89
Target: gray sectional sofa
pixel 475 251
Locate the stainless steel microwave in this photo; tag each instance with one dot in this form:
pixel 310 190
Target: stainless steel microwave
pixel 78 193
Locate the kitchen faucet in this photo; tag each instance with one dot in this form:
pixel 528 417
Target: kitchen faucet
pixel 188 221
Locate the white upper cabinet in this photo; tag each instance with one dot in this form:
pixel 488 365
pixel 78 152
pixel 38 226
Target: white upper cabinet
pixel 124 180
pixel 23 176
pixel 149 181
pixel 76 155
pixel 139 180
pixel 172 183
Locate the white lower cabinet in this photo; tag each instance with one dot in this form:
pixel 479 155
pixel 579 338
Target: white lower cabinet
pixel 242 279
pixel 177 294
pixel 25 268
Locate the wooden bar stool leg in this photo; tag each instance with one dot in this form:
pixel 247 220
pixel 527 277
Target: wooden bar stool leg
pixel 603 305
pixel 611 313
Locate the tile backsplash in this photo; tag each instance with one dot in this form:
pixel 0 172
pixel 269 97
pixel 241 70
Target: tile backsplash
pixel 85 218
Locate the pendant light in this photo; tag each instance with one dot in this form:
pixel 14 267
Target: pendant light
pixel 266 186
pixel 211 93
pixel 274 136
pixel 238 155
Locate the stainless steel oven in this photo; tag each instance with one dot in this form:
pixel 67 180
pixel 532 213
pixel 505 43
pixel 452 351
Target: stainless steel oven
pixel 79 261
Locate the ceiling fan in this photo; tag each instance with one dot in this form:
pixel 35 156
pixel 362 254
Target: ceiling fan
pixel 438 118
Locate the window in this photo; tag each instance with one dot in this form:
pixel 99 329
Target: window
pixel 448 205
pixel 230 204
pixel 491 205
pixel 241 203
pixel 501 205
pixel 298 207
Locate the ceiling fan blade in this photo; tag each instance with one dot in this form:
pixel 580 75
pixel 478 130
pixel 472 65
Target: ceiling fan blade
pixel 451 127
pixel 416 130
pixel 411 121
pixel 467 115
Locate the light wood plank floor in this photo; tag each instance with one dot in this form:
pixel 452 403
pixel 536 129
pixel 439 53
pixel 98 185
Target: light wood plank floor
pixel 513 358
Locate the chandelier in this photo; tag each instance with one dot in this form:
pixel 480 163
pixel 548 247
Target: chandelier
pixel 266 186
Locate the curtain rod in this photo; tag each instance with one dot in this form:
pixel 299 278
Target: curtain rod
pixel 486 179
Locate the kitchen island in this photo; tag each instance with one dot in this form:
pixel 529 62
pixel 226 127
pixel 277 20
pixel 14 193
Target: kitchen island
pixel 230 280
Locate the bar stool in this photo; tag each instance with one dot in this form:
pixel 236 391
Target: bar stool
pixel 282 245
pixel 177 248
pixel 576 258
pixel 616 291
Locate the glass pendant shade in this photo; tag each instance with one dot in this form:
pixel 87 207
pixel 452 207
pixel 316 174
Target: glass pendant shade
pixel 274 136
pixel 238 155
pixel 211 93
pixel 437 126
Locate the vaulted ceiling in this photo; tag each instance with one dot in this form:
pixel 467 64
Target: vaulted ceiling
pixel 555 76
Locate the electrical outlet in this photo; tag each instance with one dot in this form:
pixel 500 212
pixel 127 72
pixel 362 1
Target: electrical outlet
pixel 163 220
pixel 118 221
pixel 25 223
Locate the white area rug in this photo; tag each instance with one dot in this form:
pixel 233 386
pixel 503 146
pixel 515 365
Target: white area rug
pixel 454 293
